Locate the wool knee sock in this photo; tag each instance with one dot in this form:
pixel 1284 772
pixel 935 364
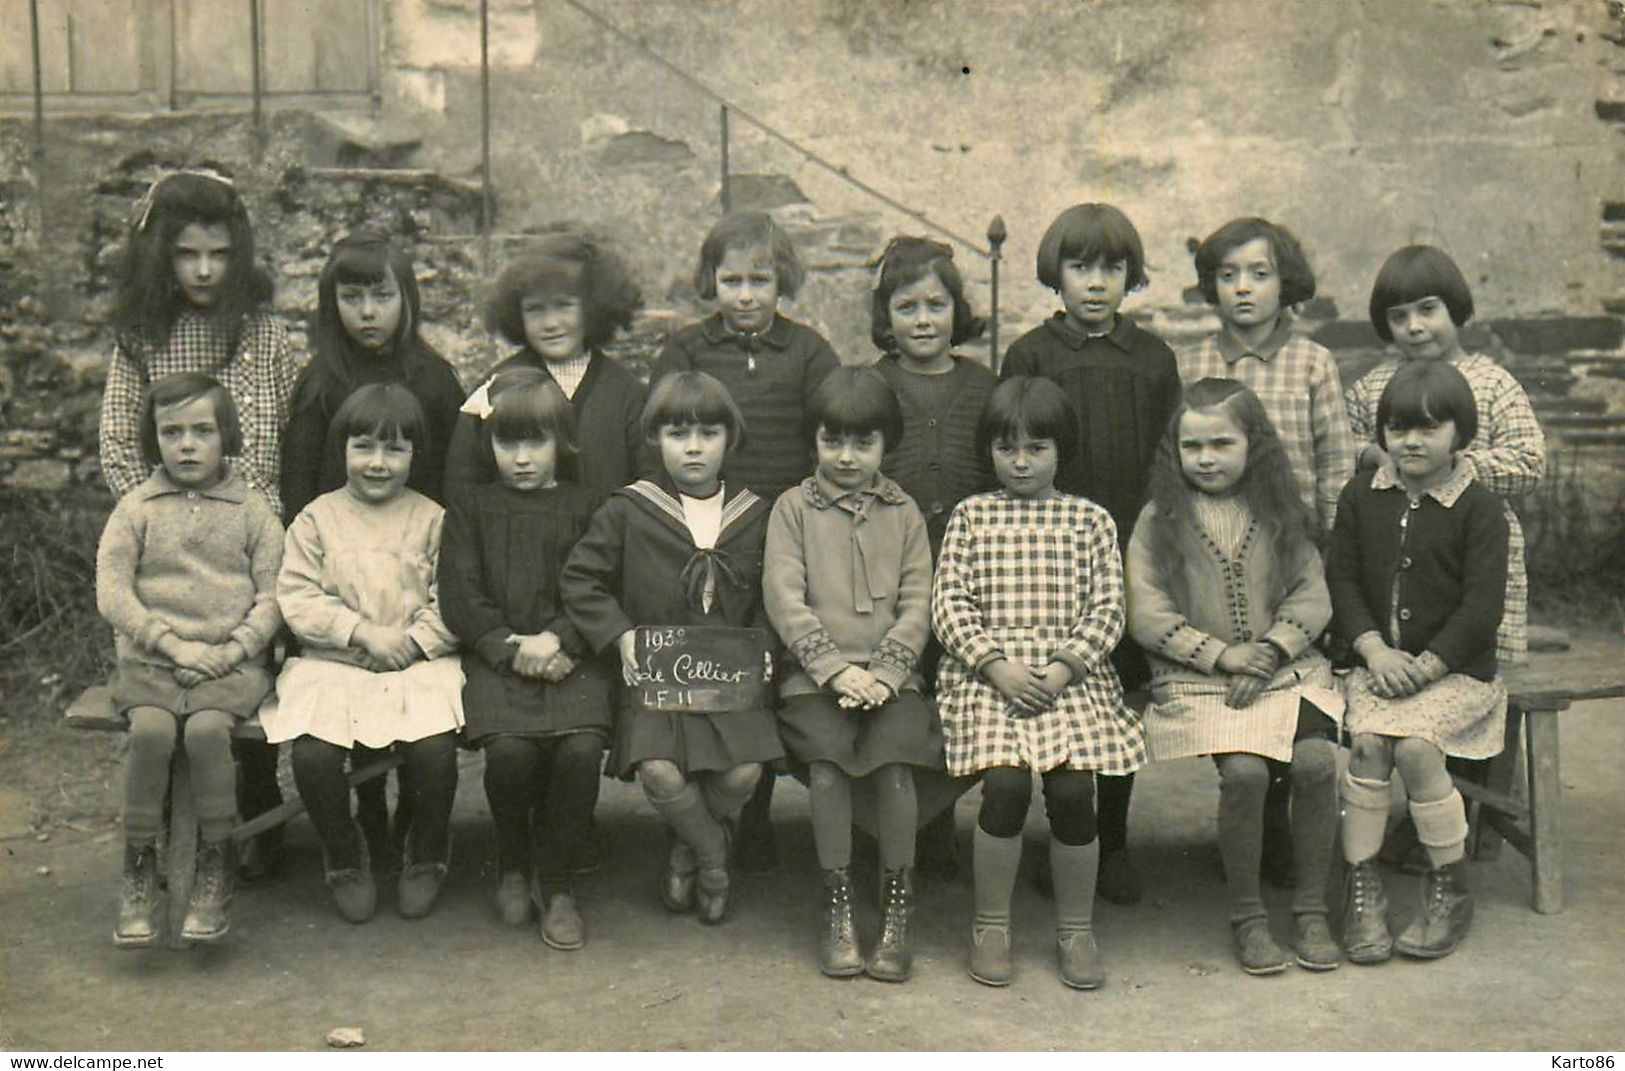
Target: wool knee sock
pixel 1441 826
pixel 830 793
pixel 724 804
pixel 146 772
pixel 1314 821
pixel 994 861
pixel 1241 832
pixel 1365 817
pixel 897 814
pixel 1112 795
pixel 692 822
pixel 207 738
pixel 1074 867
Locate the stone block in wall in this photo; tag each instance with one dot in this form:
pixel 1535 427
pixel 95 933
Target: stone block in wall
pixel 40 474
pixel 445 34
pixel 1559 334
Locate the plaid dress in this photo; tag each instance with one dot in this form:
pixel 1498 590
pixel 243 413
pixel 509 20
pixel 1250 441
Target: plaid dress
pixel 259 377
pixel 1296 380
pixel 1508 456
pixel 1038 581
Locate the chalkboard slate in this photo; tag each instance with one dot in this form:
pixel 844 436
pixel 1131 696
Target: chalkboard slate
pixel 702 669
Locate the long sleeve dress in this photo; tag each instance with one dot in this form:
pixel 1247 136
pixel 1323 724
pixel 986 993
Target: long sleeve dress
pixel 1507 456
pixel 501 557
pixel 638 564
pixel 1038 581
pixel 345 563
pixel 1230 588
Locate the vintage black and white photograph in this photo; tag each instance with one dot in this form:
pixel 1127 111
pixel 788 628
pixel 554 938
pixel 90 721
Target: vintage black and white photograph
pixel 812 526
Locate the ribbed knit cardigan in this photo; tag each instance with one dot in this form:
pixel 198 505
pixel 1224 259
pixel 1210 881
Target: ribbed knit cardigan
pixel 936 462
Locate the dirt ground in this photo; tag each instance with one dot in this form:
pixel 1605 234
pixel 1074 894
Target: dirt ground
pixel 291 969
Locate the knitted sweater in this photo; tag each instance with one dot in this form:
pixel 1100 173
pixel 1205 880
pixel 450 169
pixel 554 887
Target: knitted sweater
pixel 847 581
pixel 200 564
pixel 937 463
pixel 607 406
pixel 771 376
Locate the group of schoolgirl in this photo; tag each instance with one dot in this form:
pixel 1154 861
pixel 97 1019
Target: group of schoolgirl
pixel 939 556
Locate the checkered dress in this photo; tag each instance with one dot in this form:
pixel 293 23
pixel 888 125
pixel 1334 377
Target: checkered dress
pixel 1297 382
pixel 1508 456
pixel 1035 581
pixel 259 377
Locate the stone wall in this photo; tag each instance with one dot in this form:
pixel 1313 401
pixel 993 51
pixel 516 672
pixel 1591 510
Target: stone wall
pixel 1492 129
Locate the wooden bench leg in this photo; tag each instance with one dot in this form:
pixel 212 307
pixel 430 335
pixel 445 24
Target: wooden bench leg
pixel 181 865
pixel 1484 840
pixel 1545 811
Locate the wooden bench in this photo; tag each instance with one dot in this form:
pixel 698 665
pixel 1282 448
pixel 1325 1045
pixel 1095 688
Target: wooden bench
pixel 94 710
pixel 1531 820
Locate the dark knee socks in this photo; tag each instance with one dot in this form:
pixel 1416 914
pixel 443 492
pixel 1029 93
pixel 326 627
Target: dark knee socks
pixel 572 793
pixel 257 788
pixel 897 812
pixel 1113 791
pixel 830 793
pixel 1313 778
pixel 318 771
pixel 1243 781
pixel 694 824
pixel 511 765
pixel 432 788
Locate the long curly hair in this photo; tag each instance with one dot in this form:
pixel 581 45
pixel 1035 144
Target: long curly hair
pixel 1267 487
pixel 566 262
pixel 149 297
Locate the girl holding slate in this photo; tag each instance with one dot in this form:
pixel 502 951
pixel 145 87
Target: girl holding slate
pixel 681 549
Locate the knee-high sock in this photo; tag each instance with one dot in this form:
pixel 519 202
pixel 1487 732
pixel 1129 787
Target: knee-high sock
pixel 1074 867
pixel 146 772
pixel 830 792
pixel 725 804
pixel 994 861
pixel 1314 821
pixel 693 823
pixel 1244 779
pixel 1441 826
pixel 207 737
pixel 431 785
pixel 897 811
pixel 1112 795
pixel 1365 817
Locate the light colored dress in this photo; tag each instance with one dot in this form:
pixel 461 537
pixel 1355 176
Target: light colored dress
pixel 1039 581
pixel 347 562
pixel 1221 601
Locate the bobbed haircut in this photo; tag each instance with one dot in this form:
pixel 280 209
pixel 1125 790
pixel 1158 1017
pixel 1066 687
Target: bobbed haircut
pixel 1413 273
pixel 362 258
pixel 1291 265
pixel 749 230
pixel 1091 232
pixel 383 411
pixel 527 403
pixel 905 261
pixel 572 265
pixel 1267 487
pixel 1423 393
pixel 179 389
pixel 149 298
pixel 1029 406
pixel 691 397
pixel 854 401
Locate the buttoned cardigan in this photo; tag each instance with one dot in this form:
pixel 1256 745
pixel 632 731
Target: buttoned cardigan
pixel 1184 615
pixel 1428 573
